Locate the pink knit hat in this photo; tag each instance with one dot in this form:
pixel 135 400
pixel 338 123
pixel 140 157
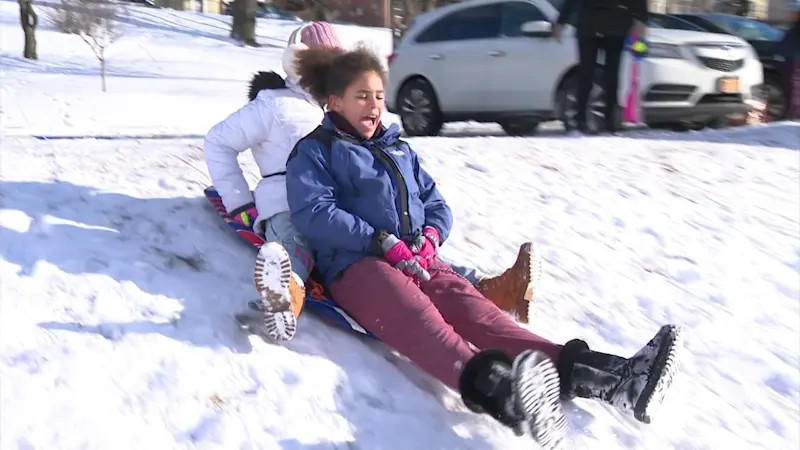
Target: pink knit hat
pixel 314 34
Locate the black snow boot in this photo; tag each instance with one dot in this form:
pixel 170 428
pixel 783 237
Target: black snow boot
pixel 522 394
pixel 635 385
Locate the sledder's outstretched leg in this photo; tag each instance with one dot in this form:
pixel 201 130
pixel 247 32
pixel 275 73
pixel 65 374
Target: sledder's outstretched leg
pixel 513 291
pixel 522 393
pixel 282 294
pixel 635 385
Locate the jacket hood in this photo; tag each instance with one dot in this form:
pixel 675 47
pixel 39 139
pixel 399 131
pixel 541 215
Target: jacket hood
pixel 264 80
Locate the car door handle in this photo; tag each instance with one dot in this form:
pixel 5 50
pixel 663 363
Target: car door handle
pixel 496 53
pixel 436 56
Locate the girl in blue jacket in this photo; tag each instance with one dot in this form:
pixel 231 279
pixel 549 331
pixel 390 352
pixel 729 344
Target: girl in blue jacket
pixel 279 113
pixel 375 220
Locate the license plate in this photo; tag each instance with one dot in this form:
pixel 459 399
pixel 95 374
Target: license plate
pixel 729 85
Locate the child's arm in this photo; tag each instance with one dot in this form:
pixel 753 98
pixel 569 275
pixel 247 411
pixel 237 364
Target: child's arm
pixel 312 201
pixel 437 214
pixel 243 129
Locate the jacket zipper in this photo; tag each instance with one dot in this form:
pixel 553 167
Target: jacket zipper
pixel 405 220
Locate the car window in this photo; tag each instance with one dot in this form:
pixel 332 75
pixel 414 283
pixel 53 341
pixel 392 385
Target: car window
pixel 756 31
pixel 480 22
pixel 747 29
pixel 705 24
pixel 517 13
pixel 671 23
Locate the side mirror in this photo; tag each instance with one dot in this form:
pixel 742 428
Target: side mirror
pixel 537 28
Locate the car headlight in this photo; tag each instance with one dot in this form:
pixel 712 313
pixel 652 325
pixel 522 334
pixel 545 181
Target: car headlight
pixel 663 51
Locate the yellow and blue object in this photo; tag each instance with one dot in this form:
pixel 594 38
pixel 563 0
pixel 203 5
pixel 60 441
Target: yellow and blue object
pixel 637 46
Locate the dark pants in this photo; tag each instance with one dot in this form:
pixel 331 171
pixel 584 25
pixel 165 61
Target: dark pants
pixel 793 88
pixel 434 323
pixel 588 48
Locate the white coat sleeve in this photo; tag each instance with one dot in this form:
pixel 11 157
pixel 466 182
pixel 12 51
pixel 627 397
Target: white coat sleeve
pixel 243 129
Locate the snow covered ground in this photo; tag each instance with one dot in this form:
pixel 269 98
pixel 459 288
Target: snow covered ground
pixel 118 283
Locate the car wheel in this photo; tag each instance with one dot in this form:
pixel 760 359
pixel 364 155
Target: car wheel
pixel 520 127
pixel 418 109
pixel 719 123
pixel 567 104
pixel 775 99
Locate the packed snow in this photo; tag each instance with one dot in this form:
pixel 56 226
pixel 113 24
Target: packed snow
pixel 118 283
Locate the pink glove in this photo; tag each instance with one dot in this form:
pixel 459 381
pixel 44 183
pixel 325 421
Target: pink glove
pixel 430 244
pixel 245 215
pixel 400 256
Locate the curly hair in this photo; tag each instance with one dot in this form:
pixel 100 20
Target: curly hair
pixel 329 71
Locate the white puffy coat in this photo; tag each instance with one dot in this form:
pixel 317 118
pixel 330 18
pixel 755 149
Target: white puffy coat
pixel 270 126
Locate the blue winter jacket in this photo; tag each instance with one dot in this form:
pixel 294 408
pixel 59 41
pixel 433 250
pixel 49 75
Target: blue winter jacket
pixel 340 195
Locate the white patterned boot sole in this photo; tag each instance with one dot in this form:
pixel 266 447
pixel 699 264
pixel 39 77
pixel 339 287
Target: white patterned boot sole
pixel 272 327
pixel 537 391
pixel 272 274
pixel 667 363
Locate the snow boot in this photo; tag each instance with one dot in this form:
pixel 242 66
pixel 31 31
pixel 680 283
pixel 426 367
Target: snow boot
pixel 522 394
pixel 282 291
pixel 635 385
pixel 514 290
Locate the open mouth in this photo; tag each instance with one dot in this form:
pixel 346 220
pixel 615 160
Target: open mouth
pixel 370 120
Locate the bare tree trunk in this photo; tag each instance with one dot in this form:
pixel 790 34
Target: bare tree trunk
pixel 248 29
pixel 236 25
pixel 29 21
pixel 103 72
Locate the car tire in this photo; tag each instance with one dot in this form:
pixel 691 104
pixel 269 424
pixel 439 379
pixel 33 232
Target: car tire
pixel 418 108
pixel 520 127
pixel 719 123
pixel 567 100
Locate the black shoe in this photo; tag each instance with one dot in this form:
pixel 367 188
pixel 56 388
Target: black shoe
pixel 583 128
pixel 636 385
pixel 523 394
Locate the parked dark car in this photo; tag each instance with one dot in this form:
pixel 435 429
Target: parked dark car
pixel 765 39
pixel 265 11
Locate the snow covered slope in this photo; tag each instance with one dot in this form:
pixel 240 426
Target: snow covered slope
pixel 118 282
pixel 172 73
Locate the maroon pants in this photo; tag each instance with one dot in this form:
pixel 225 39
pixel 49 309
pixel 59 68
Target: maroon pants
pixel 433 323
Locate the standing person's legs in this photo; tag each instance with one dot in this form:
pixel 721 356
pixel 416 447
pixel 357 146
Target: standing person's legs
pixel 612 47
pixel 587 54
pixel 477 319
pixel 389 305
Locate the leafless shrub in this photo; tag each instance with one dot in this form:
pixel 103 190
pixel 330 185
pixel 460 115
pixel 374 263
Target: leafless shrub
pixel 95 21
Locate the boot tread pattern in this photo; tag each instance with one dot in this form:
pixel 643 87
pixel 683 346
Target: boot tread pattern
pixel 535 277
pixel 667 364
pixel 272 274
pixel 272 327
pixel 535 267
pixel 537 391
pixel 280 326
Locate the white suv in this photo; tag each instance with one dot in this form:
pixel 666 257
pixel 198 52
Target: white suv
pixel 495 61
